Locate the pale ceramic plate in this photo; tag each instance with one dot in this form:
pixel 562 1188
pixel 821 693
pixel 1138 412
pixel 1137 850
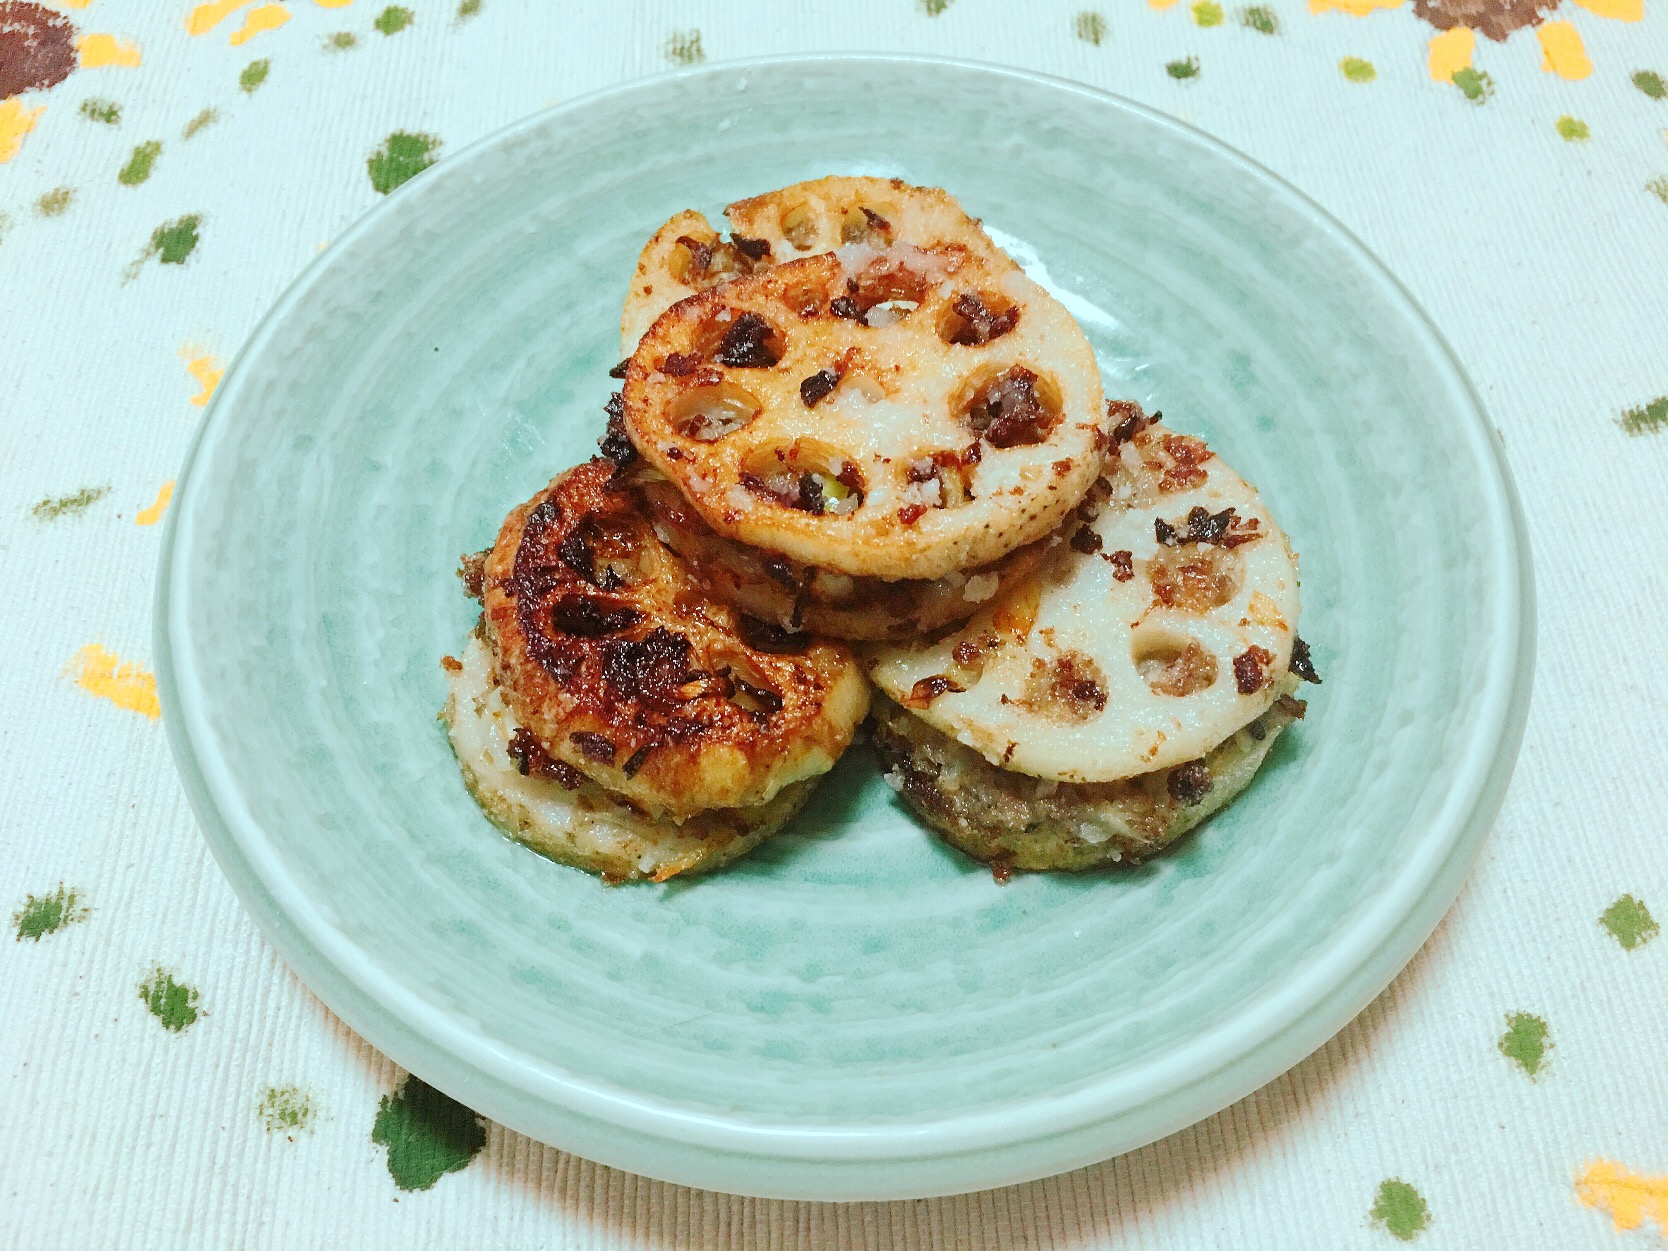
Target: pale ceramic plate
pixel 854 1010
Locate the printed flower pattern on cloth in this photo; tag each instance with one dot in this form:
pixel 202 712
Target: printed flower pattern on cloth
pixel 97 120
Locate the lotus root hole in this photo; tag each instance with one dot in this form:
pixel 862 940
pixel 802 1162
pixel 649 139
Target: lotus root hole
pixel 868 223
pixel 1013 407
pixel 707 414
pixel 1173 665
pixel 748 687
pixel 799 227
pixel 974 318
pixel 808 478
pixel 1070 687
pixel 885 294
pixel 938 480
pixel 1195 578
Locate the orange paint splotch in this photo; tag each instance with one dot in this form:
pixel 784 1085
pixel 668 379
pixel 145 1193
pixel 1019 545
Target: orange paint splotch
pixel 1562 52
pixel 102 673
pixel 267 17
pixel 15 124
pixel 150 516
pixel 1450 52
pixel 71 4
pixel 205 17
pixel 338 4
pixel 1355 8
pixel 1615 10
pixel 1627 1196
pixel 97 51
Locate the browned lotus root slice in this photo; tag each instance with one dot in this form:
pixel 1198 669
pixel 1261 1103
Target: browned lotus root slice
pixel 821 411
pixel 687 255
pixel 803 598
pixel 621 668
pixel 1164 625
pixel 1020 822
pixel 556 810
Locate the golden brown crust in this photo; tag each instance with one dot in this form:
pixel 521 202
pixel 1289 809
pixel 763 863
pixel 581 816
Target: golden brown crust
pixel 610 654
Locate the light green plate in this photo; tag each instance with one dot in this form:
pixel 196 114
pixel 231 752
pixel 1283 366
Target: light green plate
pixel 853 1011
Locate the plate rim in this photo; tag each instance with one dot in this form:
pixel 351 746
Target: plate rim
pixel 1252 1046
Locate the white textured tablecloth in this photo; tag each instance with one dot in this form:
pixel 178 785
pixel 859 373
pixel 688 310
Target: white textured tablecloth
pixel 166 169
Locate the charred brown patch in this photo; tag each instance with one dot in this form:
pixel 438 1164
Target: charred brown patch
pixel 818 387
pixel 1127 420
pixel 974 320
pixel 597 747
pixel 1189 783
pixel 1302 664
pixel 472 572
pixel 1224 529
pixel 653 669
pixel 592 616
pixel 1182 464
pixel 926 690
pixel 615 443
pixel 750 343
pixel 763 636
pixel 531 760
pixel 1251 669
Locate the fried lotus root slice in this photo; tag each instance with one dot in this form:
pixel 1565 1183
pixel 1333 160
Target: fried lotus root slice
pixel 815 411
pixel 621 668
pixel 1163 627
pixel 687 254
pixel 1007 818
pixel 557 811
pixel 804 599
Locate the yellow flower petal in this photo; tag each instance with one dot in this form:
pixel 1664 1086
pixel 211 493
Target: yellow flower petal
pixel 150 516
pixel 103 673
pixel 1161 5
pixel 15 122
pixel 333 4
pixel 1355 8
pixel 100 50
pixel 267 17
pixel 206 370
pixel 1629 1197
pixel 1450 52
pixel 1617 10
pixel 1562 53
pixel 205 17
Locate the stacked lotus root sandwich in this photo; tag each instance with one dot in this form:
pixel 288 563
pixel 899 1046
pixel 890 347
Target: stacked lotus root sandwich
pixel 856 444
